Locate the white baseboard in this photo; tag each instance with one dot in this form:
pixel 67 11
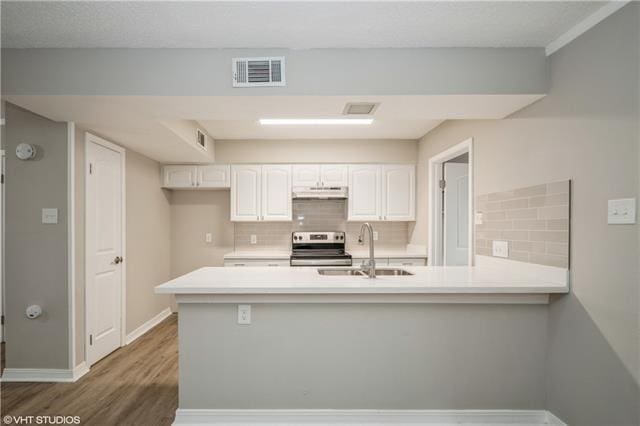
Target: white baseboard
pixel 147 325
pixel 195 417
pixel 44 374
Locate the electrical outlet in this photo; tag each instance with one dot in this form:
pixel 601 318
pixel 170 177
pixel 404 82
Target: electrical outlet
pixel 478 218
pixel 208 237
pixel 244 314
pixel 501 248
pixel 50 216
pixel 375 235
pixel 621 212
pixel 254 239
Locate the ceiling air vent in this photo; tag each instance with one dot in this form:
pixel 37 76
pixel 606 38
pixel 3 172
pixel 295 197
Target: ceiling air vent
pixel 258 72
pixel 360 108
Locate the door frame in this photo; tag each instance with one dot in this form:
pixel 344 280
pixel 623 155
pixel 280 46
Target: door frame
pixel 89 139
pixel 435 245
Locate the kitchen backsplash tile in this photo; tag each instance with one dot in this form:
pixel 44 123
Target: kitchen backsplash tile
pixel 316 215
pixel 534 220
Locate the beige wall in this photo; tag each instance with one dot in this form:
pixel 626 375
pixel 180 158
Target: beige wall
pixel 36 254
pixel 585 130
pixel 316 151
pixel 148 245
pixel 193 214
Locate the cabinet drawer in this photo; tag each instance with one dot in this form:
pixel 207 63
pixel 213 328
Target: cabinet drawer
pixel 380 261
pixel 407 262
pixel 255 262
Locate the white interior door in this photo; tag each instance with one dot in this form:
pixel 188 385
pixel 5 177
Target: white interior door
pixel 456 214
pixel 104 246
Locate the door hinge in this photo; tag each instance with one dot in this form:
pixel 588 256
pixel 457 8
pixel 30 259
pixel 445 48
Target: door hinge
pixel 442 184
pixel 91 339
pixel 90 168
pixel 1 319
pixel 2 179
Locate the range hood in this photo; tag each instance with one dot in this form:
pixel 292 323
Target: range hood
pixel 320 193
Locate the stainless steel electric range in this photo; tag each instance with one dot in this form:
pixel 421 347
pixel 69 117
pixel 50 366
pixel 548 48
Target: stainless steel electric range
pixel 319 249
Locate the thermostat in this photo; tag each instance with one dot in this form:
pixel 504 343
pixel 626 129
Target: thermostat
pixel 25 151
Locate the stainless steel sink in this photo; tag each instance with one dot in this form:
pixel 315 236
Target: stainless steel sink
pixel 356 272
pixel 392 271
pixel 360 273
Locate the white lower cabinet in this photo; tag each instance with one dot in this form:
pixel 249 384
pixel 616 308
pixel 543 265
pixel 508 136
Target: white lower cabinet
pixel 261 193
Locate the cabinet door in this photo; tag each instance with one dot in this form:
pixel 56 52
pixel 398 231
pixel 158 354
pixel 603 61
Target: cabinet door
pixel 306 175
pixel 334 175
pixel 364 192
pixel 398 192
pixel 179 176
pixel 276 192
pixel 214 176
pixel 245 193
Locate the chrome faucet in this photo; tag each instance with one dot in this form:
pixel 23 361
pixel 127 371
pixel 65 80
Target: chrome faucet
pixel 370 266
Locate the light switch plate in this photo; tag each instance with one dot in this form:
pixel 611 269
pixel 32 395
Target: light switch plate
pixel 244 314
pixel 375 235
pixel 254 239
pixel 208 237
pixel 501 248
pixel 622 211
pixel 50 216
pixel 478 218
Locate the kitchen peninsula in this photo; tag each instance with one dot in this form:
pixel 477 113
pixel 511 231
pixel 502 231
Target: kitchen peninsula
pixel 292 338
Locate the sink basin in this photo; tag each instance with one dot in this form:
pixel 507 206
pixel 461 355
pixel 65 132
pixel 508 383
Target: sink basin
pixel 355 272
pixel 359 273
pixel 392 271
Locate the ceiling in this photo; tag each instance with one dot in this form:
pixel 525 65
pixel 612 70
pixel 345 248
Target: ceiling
pixel 309 24
pixel 144 123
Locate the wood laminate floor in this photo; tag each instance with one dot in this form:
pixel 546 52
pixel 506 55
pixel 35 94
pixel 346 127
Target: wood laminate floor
pixel 135 385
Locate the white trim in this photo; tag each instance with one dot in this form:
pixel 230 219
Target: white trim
pixel 44 374
pixel 543 273
pixel 361 417
pixel 91 138
pixel 552 419
pixel 434 225
pixel 71 239
pixel 148 325
pixel 585 25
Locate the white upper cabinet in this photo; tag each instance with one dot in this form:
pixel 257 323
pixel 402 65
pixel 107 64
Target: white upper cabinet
pixel 398 192
pixel 193 177
pixel 317 175
pixel 276 193
pixel 245 193
pixel 306 175
pixel 261 193
pixel 364 192
pixel 214 176
pixel 334 175
pixel 180 176
pixel 382 192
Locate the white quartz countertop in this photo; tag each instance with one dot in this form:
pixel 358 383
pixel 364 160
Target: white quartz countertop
pixel 427 280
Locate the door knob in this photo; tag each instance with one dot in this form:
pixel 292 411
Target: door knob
pixel 117 260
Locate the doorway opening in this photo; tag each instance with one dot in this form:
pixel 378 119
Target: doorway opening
pixel 450 240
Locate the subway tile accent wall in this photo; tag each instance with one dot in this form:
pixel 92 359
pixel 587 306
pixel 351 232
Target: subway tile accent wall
pixel 534 220
pixel 316 215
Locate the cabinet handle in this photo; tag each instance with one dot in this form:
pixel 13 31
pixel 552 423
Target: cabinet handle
pixel 407 263
pixel 273 264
